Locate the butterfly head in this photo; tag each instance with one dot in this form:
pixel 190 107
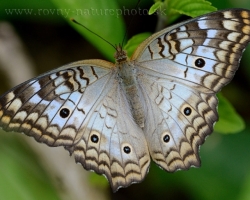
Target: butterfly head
pixel 120 54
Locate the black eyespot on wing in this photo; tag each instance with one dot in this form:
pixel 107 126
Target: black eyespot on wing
pixel 94 138
pixel 64 112
pixel 200 62
pixel 166 138
pixel 126 149
pixel 187 111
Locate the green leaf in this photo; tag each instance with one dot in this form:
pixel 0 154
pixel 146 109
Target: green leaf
pixel 229 120
pixel 134 42
pixel 100 16
pixel 98 181
pixel 172 9
pixel 155 7
pixel 192 8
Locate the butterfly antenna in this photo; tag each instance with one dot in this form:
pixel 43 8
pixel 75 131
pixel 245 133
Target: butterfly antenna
pixel 73 20
pixel 130 22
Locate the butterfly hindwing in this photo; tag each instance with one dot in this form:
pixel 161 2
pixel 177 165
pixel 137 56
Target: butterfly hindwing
pixel 112 144
pixel 177 122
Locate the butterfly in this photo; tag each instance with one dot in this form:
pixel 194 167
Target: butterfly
pixel 160 103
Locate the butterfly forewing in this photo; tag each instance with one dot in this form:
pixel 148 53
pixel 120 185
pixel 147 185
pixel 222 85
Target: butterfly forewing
pixel 203 52
pixel 45 107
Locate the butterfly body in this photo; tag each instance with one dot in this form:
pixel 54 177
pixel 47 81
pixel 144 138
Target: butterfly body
pixel 127 76
pixel 161 103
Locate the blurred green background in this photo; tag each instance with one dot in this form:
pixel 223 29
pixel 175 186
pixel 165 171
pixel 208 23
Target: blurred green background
pixel 51 42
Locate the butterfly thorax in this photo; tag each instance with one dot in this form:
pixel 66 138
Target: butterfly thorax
pixel 127 76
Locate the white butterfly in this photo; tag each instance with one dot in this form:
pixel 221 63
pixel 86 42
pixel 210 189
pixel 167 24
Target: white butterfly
pixel 160 103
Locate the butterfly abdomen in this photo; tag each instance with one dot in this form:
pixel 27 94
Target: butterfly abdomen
pixel 128 82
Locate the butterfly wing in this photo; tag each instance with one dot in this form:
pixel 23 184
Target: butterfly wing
pixel 181 69
pixel 38 107
pixel 112 143
pixel 178 120
pixel 81 107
